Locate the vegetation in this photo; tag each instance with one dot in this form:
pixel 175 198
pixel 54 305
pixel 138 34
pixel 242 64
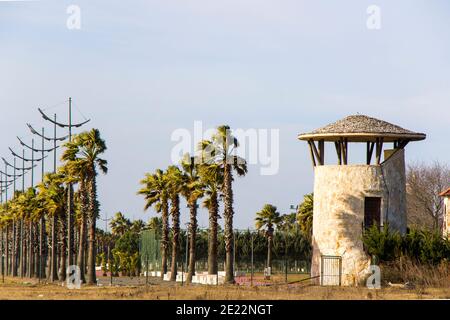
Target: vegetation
pixel 34 223
pixel 421 246
pixel 208 175
pixel 267 219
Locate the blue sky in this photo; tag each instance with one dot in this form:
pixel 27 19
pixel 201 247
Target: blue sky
pixel 142 69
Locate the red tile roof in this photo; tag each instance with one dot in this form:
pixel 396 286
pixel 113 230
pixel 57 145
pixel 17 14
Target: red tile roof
pixel 445 193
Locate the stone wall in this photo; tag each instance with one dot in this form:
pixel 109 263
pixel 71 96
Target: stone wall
pixel 339 192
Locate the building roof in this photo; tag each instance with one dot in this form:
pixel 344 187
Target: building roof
pixel 445 193
pixel 360 128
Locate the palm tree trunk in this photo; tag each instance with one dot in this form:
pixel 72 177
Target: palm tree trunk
pixel 63 248
pixel 21 251
pixel 53 274
pixel 41 270
pixel 228 220
pixel 30 249
pixel 81 248
pixel 192 237
pixel 7 250
pixel 93 211
pixel 69 216
pixel 36 251
pixel 212 241
pixel 269 255
pixel 14 251
pixel 165 236
pixel 175 235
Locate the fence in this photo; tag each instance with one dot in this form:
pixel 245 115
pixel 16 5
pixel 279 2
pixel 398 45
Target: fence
pixel 290 251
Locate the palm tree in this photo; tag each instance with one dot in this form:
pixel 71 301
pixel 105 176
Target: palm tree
pixel 267 219
pixel 155 224
pixel 137 226
pixel 191 191
pixel 156 194
pixel 74 171
pixel 219 150
pixel 119 224
pixel 52 199
pixel 84 152
pixel 305 215
pixel 175 186
pixel 211 177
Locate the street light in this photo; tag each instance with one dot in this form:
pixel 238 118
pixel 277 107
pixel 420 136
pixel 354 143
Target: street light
pixel 70 217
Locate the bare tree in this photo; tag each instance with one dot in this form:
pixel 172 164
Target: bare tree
pixel 424 182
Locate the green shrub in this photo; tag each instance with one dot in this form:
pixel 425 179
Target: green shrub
pixel 382 244
pixel 418 245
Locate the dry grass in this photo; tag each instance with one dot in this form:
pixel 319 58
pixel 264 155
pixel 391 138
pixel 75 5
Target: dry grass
pixel 18 289
pixel 420 275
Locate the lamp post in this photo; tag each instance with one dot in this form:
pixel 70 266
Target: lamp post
pixel 41 222
pixel 53 139
pixel 70 217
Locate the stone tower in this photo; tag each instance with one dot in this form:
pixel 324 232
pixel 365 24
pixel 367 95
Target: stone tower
pixel 349 198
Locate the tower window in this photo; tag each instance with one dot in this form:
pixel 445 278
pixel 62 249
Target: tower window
pixel 372 212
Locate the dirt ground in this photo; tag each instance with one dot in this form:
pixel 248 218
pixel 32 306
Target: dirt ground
pixel 25 289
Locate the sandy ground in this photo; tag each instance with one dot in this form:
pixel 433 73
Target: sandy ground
pixel 14 289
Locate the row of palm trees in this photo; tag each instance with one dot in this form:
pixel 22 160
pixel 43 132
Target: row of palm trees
pixel 35 241
pixel 207 175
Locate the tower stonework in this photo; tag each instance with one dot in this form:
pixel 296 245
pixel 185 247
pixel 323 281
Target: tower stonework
pixel 349 198
pixel 446 225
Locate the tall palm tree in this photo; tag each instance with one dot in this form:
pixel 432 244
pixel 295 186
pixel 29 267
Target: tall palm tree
pixel 211 176
pixel 175 186
pixel 155 191
pixel 84 151
pixel 72 172
pixel 191 191
pixel 266 220
pixel 220 150
pixel 52 199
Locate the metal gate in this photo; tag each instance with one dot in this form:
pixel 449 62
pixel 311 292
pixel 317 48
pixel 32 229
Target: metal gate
pixel 330 270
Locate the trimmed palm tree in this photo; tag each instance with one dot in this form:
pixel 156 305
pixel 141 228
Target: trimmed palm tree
pixel 211 176
pixel 220 150
pixel 156 194
pixel 74 171
pixel 84 152
pixel 52 198
pixel 191 191
pixel 266 220
pixel 175 186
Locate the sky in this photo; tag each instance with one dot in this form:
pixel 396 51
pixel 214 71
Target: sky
pixel 141 70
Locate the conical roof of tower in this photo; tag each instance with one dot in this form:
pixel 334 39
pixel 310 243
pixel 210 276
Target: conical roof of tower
pixel 361 128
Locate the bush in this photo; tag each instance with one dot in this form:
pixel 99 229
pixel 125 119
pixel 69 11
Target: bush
pixel 383 244
pixel 420 246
